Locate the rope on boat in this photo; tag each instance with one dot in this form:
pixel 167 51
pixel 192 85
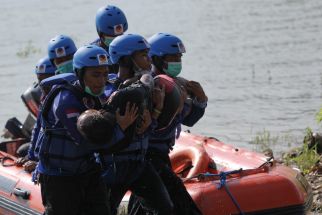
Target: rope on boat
pixel 4 159
pixel 223 176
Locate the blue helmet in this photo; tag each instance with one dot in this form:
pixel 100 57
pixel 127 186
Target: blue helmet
pixel 163 44
pixel 125 45
pixel 90 56
pixel 61 46
pixel 44 66
pixel 111 21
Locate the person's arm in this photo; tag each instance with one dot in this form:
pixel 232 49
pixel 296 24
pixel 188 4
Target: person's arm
pixel 34 137
pixel 195 113
pixel 198 104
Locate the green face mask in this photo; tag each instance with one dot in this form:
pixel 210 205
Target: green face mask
pixel 89 91
pixel 174 68
pixel 66 67
pixel 107 40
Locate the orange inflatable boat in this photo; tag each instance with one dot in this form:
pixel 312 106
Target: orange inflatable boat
pixel 225 180
pixel 221 179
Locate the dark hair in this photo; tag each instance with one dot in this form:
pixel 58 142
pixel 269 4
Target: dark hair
pixel 96 126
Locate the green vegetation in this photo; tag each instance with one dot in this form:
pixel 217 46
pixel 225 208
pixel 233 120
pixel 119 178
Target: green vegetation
pixel 307 157
pixel 27 50
pixel 319 116
pixel 304 157
pixel 264 140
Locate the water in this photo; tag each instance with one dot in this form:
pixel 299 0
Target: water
pixel 260 62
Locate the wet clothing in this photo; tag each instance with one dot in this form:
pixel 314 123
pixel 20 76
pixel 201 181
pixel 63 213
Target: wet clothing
pixel 69 173
pixel 127 168
pixel 183 203
pixel 140 178
pixel 160 144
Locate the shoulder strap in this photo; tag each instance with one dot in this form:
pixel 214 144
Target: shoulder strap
pixel 54 92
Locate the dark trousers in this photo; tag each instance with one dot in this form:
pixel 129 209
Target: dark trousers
pixel 140 178
pixel 183 203
pixel 74 195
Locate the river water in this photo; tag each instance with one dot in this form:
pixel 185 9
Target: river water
pixel 260 62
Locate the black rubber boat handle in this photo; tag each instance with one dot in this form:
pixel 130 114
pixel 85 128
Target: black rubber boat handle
pixel 22 193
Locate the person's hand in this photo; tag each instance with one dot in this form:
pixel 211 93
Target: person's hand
pixel 146 121
pixel 130 115
pixel 21 161
pixel 30 166
pixel 158 97
pixel 195 89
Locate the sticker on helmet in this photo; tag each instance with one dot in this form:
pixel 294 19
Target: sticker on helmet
pixel 181 47
pixel 41 68
pixel 118 29
pixel 102 59
pixel 60 52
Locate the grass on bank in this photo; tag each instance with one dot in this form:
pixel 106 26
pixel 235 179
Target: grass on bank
pixel 302 157
pixel 307 157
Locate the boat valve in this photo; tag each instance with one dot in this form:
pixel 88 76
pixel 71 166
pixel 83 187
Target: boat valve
pixel 25 194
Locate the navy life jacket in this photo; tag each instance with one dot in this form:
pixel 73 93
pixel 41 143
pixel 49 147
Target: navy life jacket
pixel 58 79
pixel 58 151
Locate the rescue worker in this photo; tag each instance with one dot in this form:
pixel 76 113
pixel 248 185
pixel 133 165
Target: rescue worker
pixel 60 51
pixel 110 22
pixel 127 168
pixel 44 69
pixel 130 52
pixel 68 173
pixel 166 52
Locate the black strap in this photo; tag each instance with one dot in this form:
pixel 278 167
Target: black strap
pixel 62 157
pixel 60 135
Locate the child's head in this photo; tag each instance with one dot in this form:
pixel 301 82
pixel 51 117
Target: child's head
pixel 96 126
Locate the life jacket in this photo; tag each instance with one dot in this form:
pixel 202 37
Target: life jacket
pixel 172 100
pixel 58 79
pixel 139 95
pixel 58 152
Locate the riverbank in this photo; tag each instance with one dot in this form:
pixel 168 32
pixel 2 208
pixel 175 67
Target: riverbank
pixel 308 160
